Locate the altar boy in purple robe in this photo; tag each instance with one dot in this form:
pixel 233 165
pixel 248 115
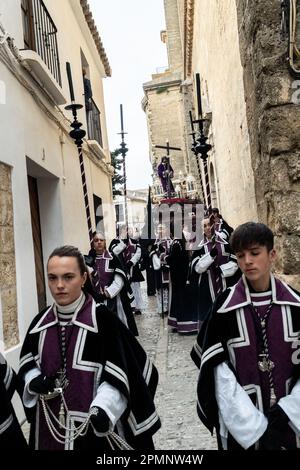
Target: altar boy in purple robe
pixel 88 382
pixel 110 282
pixel 249 353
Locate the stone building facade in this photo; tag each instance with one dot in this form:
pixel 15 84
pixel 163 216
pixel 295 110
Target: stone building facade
pixel 9 330
pixel 273 117
pixel 212 50
pixel 167 101
pixel 248 97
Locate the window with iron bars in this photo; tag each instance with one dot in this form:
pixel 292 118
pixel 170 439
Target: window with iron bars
pixel 94 122
pixel 40 34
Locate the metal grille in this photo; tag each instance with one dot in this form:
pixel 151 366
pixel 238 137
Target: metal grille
pixel 94 123
pixel 40 34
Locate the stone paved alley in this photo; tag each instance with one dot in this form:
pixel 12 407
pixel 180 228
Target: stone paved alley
pixel 176 395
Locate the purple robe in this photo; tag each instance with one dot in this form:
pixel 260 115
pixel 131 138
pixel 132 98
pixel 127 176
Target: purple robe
pixel 211 282
pixel 97 345
pixel 165 179
pixel 105 275
pixel 129 251
pixel 233 334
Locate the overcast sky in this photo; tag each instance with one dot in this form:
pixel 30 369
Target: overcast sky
pixel 130 32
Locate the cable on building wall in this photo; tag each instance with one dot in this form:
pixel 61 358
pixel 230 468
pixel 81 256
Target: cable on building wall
pixel 289 24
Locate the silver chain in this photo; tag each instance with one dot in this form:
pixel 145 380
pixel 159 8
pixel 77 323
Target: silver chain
pixel 114 440
pixel 81 430
pixel 266 365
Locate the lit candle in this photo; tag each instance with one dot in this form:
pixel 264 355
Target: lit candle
pixel 70 82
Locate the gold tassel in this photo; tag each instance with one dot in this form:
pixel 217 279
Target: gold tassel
pixel 61 416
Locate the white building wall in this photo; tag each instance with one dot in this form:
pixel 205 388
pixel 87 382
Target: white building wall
pixel 33 144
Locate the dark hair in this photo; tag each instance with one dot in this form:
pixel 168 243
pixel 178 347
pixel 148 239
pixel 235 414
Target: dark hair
pixel 72 252
pixel 251 233
pixel 98 232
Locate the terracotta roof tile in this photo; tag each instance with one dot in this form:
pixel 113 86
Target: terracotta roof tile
pixel 93 28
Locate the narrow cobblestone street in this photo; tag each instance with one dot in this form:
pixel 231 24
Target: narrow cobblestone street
pixel 176 395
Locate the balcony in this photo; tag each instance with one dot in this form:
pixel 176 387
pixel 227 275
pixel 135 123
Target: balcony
pixel 41 49
pixel 94 127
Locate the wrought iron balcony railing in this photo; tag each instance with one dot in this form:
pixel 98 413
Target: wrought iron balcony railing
pixel 94 123
pixel 40 34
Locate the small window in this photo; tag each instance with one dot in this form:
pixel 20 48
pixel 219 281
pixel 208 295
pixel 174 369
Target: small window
pixel 28 24
pixel 120 212
pixel 99 219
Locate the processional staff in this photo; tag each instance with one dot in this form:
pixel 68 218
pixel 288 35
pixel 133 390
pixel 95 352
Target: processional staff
pixel 78 134
pixel 193 134
pixel 201 148
pixel 123 151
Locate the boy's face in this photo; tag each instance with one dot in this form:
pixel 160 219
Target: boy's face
pixel 207 228
pixel 99 244
pixel 256 262
pixel 124 232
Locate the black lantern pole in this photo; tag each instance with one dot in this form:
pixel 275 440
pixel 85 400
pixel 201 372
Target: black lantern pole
pixel 193 133
pixel 202 147
pixel 123 151
pixel 167 147
pixel 78 134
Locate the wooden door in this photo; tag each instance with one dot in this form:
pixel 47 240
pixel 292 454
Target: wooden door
pixel 37 241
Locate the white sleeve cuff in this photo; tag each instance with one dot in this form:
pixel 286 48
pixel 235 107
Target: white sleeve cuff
pixel 137 255
pixel 229 269
pixel 242 419
pixel 111 401
pixel 30 398
pixel 156 262
pixel 116 286
pixel 119 248
pixel 291 406
pixel 203 263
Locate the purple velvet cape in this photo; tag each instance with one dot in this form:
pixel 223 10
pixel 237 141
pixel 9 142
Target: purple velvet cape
pixel 100 349
pixel 229 335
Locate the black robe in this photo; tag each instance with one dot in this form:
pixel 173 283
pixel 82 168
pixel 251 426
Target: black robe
pixel 126 294
pixel 228 336
pixel 183 315
pixel 11 436
pixel 206 292
pixel 147 265
pixel 103 350
pixel 134 274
